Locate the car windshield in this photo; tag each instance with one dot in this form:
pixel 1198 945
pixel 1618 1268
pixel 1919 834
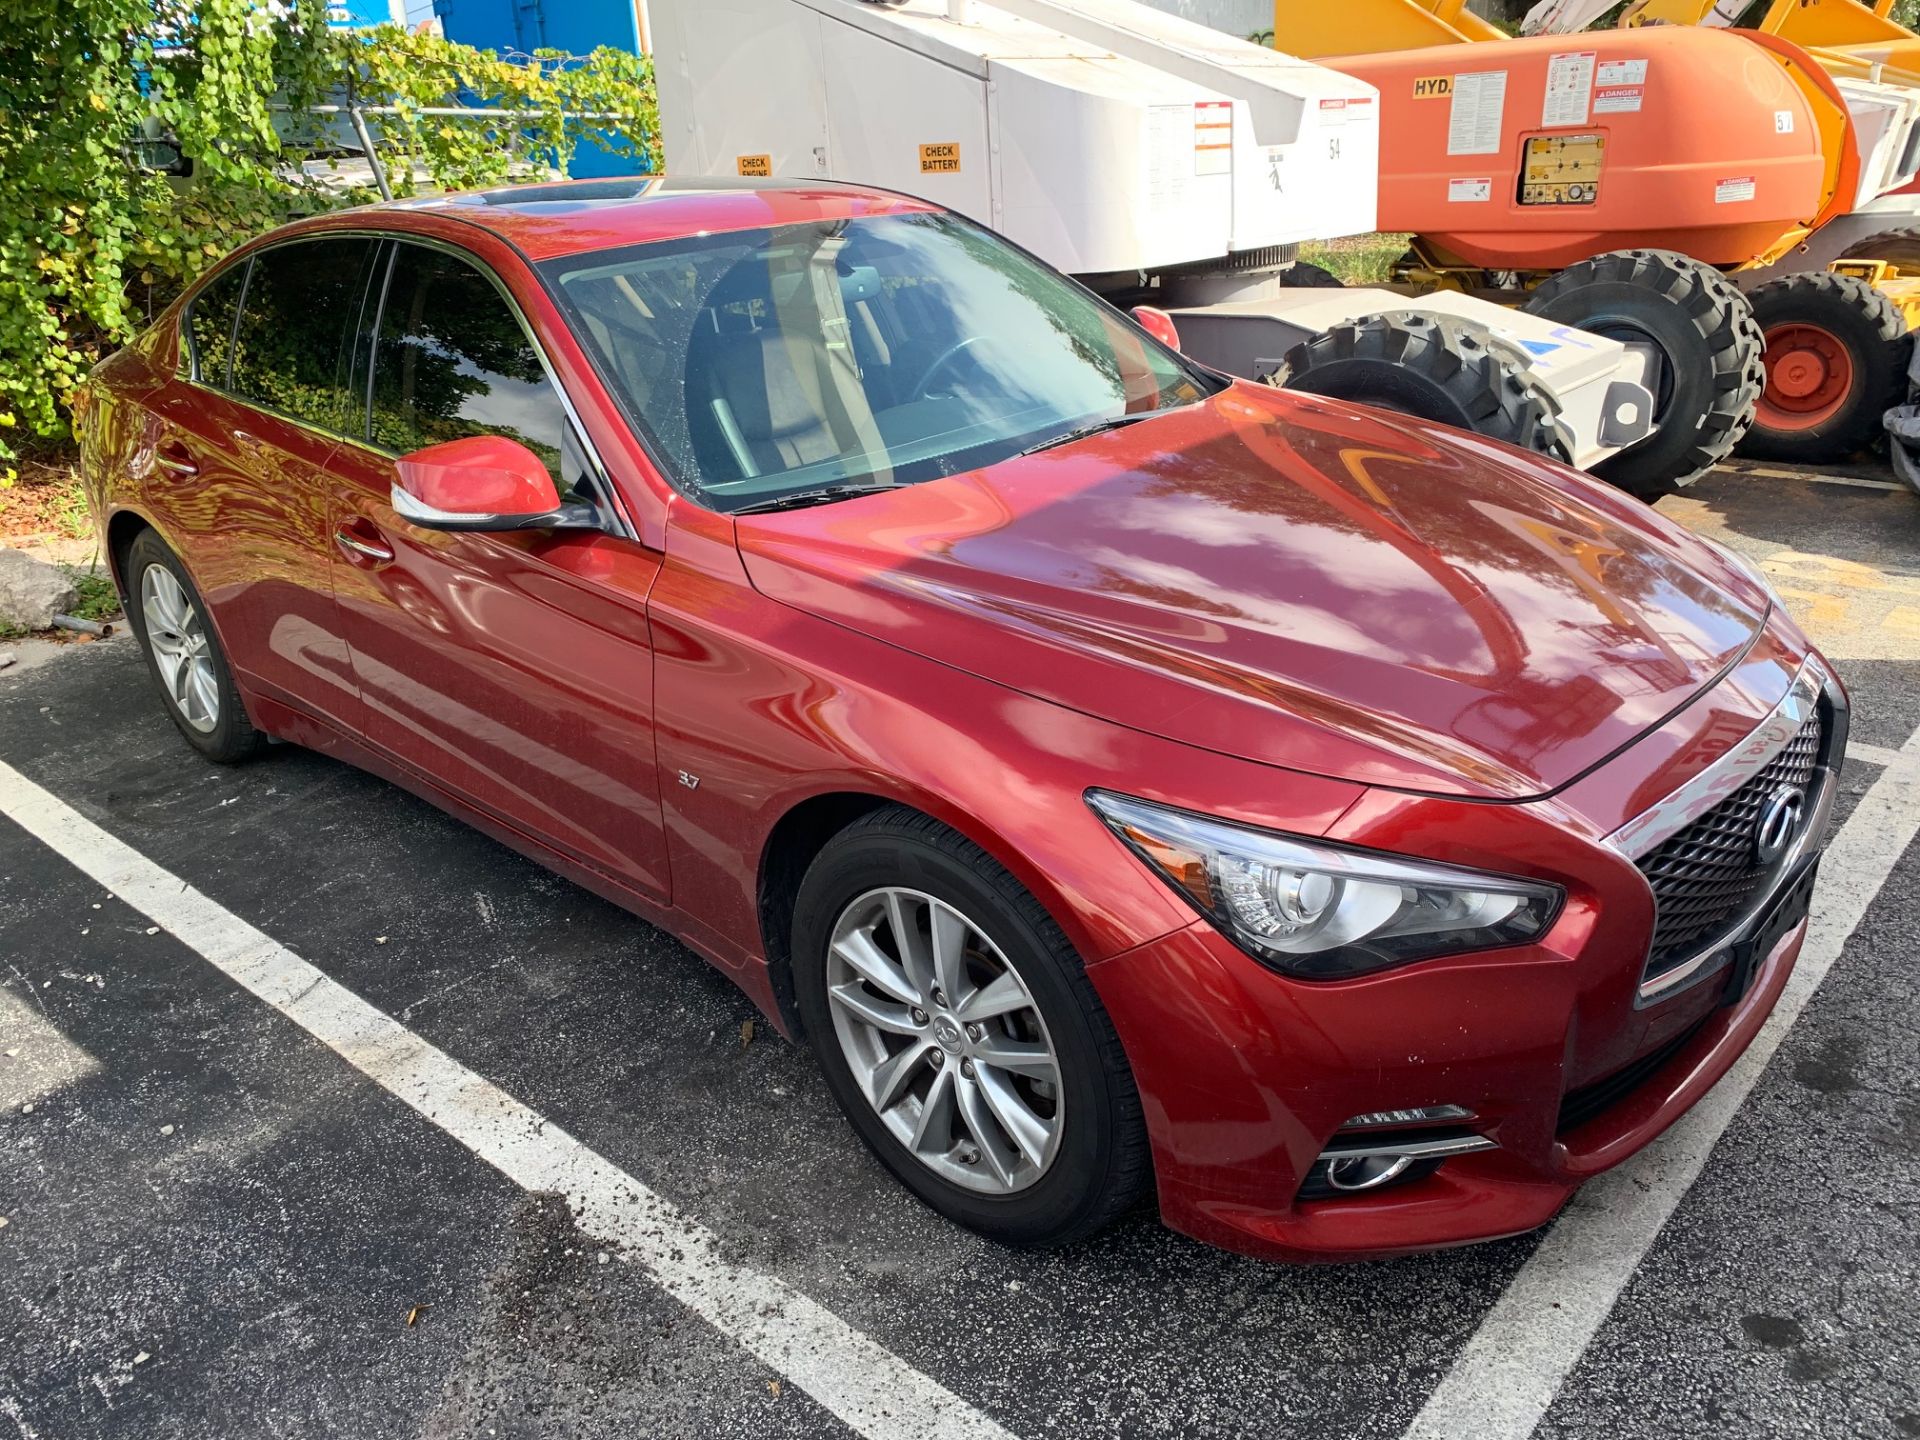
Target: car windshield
pixel 803 362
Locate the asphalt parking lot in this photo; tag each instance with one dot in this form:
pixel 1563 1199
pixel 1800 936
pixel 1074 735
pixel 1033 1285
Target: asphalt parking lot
pixel 324 1115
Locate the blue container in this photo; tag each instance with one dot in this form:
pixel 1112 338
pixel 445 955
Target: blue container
pixel 576 26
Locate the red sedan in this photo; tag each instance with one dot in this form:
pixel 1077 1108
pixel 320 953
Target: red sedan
pixel 1125 778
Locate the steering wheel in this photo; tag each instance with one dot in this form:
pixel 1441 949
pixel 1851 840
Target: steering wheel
pixel 945 358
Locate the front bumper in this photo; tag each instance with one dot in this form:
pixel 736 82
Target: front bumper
pixel 1239 1114
pixel 1565 1059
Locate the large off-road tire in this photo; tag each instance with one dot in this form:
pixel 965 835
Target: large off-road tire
pixel 1897 247
pixel 1836 361
pixel 183 655
pixel 1432 366
pixel 977 1027
pixel 1701 328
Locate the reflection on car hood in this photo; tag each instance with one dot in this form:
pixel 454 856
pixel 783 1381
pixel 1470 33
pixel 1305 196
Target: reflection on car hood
pixel 1297 582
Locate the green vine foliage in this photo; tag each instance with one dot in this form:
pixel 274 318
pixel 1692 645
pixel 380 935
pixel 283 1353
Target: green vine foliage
pixel 140 140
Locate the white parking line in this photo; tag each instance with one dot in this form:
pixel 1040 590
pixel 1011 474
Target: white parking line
pixel 1858 482
pixel 871 1389
pixel 1502 1382
pixel 1878 754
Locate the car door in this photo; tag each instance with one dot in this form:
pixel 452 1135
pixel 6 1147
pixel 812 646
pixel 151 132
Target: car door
pixel 513 668
pixel 240 456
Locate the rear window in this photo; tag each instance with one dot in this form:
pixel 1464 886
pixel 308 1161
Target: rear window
pixel 290 347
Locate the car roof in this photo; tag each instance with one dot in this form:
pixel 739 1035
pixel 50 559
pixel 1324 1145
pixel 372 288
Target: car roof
pixel 567 217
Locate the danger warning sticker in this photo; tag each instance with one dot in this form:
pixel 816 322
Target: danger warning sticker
pixel 1469 191
pixel 1617 99
pixel 761 165
pixel 1213 137
pixel 940 159
pixel 1739 187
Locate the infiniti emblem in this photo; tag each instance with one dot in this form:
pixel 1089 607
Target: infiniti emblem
pixel 948 1034
pixel 1779 822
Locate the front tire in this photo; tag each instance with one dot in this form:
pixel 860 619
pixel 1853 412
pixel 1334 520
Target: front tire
pixel 184 657
pixel 958 1031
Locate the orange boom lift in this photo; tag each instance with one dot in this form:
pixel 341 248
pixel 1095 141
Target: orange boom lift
pixel 1612 180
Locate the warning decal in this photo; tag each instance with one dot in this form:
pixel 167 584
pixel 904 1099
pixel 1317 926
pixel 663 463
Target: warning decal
pixel 1621 72
pixel 1739 187
pixel 1569 86
pixel 1617 99
pixel 1473 122
pixel 1213 137
pixel 940 159
pixel 1469 191
pixel 760 165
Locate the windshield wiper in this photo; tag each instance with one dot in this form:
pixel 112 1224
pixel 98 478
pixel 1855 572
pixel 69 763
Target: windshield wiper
pixel 823 495
pixel 1097 427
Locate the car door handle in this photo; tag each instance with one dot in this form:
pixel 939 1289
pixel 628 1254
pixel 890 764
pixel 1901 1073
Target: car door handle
pixel 175 458
pixel 362 544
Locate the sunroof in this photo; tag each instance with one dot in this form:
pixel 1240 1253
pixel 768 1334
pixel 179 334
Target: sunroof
pixel 580 192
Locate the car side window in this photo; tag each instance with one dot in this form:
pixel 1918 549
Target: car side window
pixel 302 301
pixel 210 325
pixel 451 360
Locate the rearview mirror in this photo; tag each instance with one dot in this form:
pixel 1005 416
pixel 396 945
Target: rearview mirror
pixel 483 482
pixel 1158 324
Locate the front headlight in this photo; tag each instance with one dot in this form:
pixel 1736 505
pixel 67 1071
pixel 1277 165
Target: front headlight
pixel 1322 911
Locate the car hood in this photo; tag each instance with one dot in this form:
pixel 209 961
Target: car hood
pixel 1294 581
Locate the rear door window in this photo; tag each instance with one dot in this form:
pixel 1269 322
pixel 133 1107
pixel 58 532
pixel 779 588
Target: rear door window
pixel 452 360
pixel 290 349
pixel 210 325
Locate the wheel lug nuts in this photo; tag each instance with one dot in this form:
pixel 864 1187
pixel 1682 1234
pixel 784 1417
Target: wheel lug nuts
pixel 966 1068
pixel 974 1032
pixel 919 1015
pixel 969 1156
pixel 940 998
pixel 937 1059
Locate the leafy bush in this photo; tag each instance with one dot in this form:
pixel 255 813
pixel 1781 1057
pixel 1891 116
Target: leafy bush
pixel 94 241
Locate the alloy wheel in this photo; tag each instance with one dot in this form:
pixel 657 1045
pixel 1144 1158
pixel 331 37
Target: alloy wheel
pixel 945 1041
pixel 178 640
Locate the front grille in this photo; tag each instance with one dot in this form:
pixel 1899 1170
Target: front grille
pixel 1706 877
pixel 1577 1107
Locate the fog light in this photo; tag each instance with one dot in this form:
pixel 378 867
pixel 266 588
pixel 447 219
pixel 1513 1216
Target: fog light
pixel 1352 1165
pixel 1366 1172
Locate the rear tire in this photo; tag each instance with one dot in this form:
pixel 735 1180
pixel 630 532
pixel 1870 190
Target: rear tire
pixel 1096 1165
pixel 1899 247
pixel 1710 347
pixel 1430 366
pixel 1836 362
pixel 183 654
